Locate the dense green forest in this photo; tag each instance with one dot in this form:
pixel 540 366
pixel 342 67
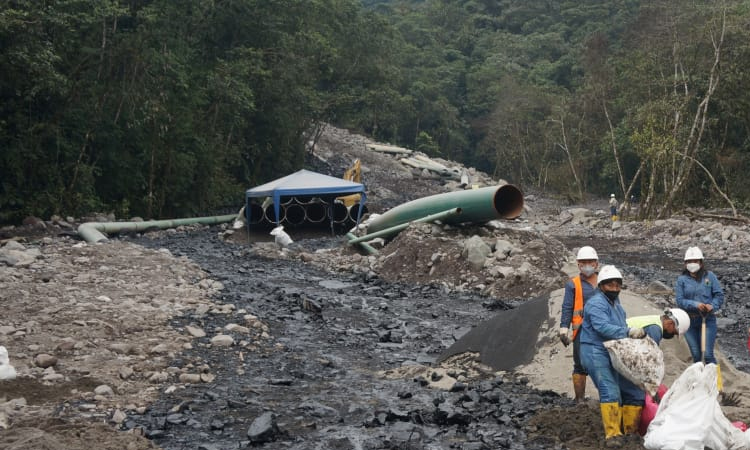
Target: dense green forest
pixel 164 109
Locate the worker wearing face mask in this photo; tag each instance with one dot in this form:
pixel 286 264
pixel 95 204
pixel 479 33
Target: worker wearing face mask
pixel 604 319
pixel 577 291
pixel 698 292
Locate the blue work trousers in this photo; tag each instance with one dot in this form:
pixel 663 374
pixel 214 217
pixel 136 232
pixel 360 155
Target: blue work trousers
pixel 612 386
pixel 577 366
pixel 693 338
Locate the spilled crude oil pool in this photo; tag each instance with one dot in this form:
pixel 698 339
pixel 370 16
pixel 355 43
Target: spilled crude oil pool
pixel 314 383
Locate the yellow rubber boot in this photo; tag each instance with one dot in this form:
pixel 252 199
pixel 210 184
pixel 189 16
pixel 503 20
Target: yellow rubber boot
pixel 631 418
pixel 612 419
pixel 579 387
pixel 719 381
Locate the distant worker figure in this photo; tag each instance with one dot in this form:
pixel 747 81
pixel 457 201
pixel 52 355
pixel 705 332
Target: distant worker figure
pixel 577 291
pixel 674 322
pixel 698 292
pixel 465 179
pixel 604 319
pixel 613 206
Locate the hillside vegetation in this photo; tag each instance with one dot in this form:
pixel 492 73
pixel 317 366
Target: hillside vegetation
pixel 165 109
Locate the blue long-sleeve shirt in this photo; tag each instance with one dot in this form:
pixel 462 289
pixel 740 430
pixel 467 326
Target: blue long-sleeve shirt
pixel 690 292
pixel 603 320
pixel 569 300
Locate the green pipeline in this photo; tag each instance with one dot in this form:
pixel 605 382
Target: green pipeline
pixel 365 246
pixel 477 206
pixel 93 232
pixel 390 231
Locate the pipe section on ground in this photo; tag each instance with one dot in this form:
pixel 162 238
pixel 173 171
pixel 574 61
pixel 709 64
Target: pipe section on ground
pixel 365 246
pixel 354 211
pixel 255 215
pixel 386 232
pixel 295 214
pixel 316 211
pixel 477 205
pixel 339 212
pixel 303 200
pixel 270 213
pixel 93 232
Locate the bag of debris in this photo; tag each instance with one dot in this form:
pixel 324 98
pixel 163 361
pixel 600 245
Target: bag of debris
pixel 639 360
pixel 690 417
pixel 281 238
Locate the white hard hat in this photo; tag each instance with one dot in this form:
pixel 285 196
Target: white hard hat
pixel 681 319
pixel 611 195
pixel 587 252
pixel 609 272
pixel 693 253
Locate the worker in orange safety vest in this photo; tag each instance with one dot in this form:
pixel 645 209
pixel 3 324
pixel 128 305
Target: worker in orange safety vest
pixel 577 291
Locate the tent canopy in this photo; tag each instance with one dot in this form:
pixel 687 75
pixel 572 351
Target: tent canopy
pixel 306 183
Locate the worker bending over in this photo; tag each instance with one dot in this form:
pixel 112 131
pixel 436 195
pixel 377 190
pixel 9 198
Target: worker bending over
pixel 674 322
pixel 604 319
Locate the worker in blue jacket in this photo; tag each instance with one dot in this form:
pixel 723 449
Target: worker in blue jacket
pixel 699 293
pixel 604 319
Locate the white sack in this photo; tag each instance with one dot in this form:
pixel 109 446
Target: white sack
pixel 239 221
pixel 639 360
pixel 280 237
pixel 690 417
pixel 7 372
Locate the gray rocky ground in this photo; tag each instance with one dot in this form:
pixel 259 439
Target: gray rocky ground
pixel 212 338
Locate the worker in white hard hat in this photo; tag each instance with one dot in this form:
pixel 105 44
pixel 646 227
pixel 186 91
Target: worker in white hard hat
pixel 699 293
pixel 604 319
pixel 577 291
pixel 674 322
pixel 613 206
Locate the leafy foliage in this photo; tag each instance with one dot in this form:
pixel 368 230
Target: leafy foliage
pixel 165 109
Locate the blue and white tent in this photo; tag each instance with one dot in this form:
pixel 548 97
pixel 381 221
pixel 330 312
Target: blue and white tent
pixel 305 183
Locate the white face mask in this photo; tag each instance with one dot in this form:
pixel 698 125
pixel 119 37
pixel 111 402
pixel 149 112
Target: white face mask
pixel 588 270
pixel 693 267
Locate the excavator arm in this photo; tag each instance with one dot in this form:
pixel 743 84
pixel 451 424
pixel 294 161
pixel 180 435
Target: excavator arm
pixel 353 173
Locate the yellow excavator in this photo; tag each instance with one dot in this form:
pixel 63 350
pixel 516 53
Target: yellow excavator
pixel 354 173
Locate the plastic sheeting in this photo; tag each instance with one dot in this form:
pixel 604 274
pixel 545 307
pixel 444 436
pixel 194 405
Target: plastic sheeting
pixel 689 416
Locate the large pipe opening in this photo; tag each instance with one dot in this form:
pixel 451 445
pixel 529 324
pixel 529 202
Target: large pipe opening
pixel 285 200
pixel 255 214
pixel 354 210
pixel 294 214
pixel 316 211
pixel 303 199
pixel 508 201
pixel 339 212
pixel 270 213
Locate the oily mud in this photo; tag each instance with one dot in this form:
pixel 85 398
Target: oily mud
pixel 285 354
pixel 319 378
